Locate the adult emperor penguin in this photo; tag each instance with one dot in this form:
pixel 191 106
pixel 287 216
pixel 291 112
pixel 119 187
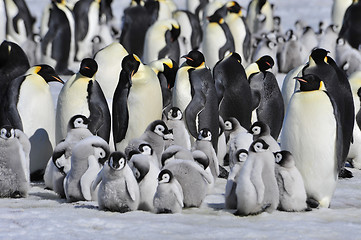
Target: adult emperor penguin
pixel 197 7
pixel 259 16
pixel 319 138
pixel 87 26
pixel 14 163
pixel 160 9
pixel 217 39
pixel 87 157
pixel 137 101
pixel 339 8
pixel 165 33
pixel 82 94
pixel 350 30
pixel 262 64
pixel 233 90
pixel 290 183
pixel 169 195
pixel 118 190
pixel 24 94
pixel 58 41
pixel 257 189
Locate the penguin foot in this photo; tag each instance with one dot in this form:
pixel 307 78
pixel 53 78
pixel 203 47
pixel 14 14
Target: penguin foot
pixel 223 173
pixel 164 211
pixel 312 203
pixel 344 173
pixel 17 194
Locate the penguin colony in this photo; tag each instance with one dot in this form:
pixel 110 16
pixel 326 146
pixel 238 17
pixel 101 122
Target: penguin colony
pixel 174 99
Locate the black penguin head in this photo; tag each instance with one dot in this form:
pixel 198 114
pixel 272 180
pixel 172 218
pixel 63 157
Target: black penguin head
pixel 161 129
pixel 318 56
pixel 259 128
pixel 165 176
pixel 117 161
pixel 241 155
pixel 234 7
pixel 284 159
pixel 141 169
pixel 12 56
pixel 201 158
pixel 146 149
pixel 194 58
pixel 88 67
pixel 130 64
pixel 258 146
pixel 7 132
pixel 78 121
pixel 204 135
pixel 175 114
pixel 218 15
pixel 309 82
pixel 175 32
pixel 264 63
pixel 170 71
pixel 237 57
pixel 46 72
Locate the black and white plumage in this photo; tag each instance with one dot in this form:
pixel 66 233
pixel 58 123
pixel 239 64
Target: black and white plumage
pixel 350 27
pixel 175 121
pixel 261 130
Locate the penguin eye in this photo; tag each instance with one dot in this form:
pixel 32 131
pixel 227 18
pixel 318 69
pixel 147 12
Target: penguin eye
pixel 228 125
pixel 256 130
pixel 278 157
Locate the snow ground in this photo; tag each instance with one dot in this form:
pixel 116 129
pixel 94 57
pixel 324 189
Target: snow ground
pixel 43 215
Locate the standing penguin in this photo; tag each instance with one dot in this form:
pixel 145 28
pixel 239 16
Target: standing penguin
pixel 351 20
pixel 233 90
pixel 262 130
pixel 82 94
pixel 14 163
pixel 169 195
pixel 58 41
pixel 23 95
pixel 165 33
pixel 118 190
pixel 176 122
pixel 263 64
pixel 137 101
pixel 290 183
pixel 260 16
pixel 257 189
pixel 217 40
pixel 87 158
pixel 318 149
pixel 339 8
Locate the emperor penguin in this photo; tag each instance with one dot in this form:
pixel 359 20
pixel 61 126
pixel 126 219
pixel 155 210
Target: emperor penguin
pixel 137 101
pixel 160 9
pixel 290 84
pixel 197 7
pixel 58 39
pixel 261 130
pixel 339 8
pixel 24 94
pixel 262 64
pixel 168 197
pixel 328 40
pixel 290 183
pixel 233 89
pixel 118 190
pixel 231 185
pixel 351 20
pixel 175 121
pixel 87 27
pixel 165 33
pixel 347 57
pixel 82 94
pixel 217 40
pixel 14 163
pixel 257 189
pixel 260 16
pixel 267 101
pixel 88 155
pixel 319 139
pixel 267 46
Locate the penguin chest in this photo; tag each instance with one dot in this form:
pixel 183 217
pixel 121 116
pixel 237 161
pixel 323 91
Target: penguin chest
pixel 214 39
pixel 182 89
pixel 238 30
pixel 16 36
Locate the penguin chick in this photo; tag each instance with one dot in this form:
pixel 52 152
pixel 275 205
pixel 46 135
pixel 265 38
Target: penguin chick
pixel 261 130
pixel 290 183
pixel 118 190
pixel 169 195
pixel 175 122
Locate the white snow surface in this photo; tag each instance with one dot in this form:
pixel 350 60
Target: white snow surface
pixel 43 215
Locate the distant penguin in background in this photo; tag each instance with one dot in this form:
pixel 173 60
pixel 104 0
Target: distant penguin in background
pixel 328 40
pixel 339 8
pixel 14 163
pixel 233 90
pixel 87 26
pixel 165 33
pixel 160 9
pixel 217 39
pixel 197 7
pixel 137 101
pixel 350 30
pixel 168 197
pixel 266 47
pixel 175 121
pixel 259 16
pixel 347 57
pixel 24 95
pixel 82 94
pixel 58 41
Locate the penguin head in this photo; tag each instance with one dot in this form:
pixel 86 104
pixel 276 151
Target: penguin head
pixel 130 64
pixel 145 149
pixel 170 68
pixel 230 124
pixel 310 82
pixel 204 135
pixel 260 128
pixel 236 57
pixel 218 15
pixel 201 158
pixel 194 58
pixel 284 159
pixel 318 56
pixel 175 114
pixel 78 121
pixel 259 146
pixel 165 176
pixel 117 161
pixel 241 155
pixel 46 72
pixel 264 63
pixel 174 32
pixel 234 7
pixel 101 151
pixel 161 129
pixel 88 67
pixel 7 132
pixel 141 169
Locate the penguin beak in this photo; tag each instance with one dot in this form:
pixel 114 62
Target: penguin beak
pixel 58 79
pixel 300 79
